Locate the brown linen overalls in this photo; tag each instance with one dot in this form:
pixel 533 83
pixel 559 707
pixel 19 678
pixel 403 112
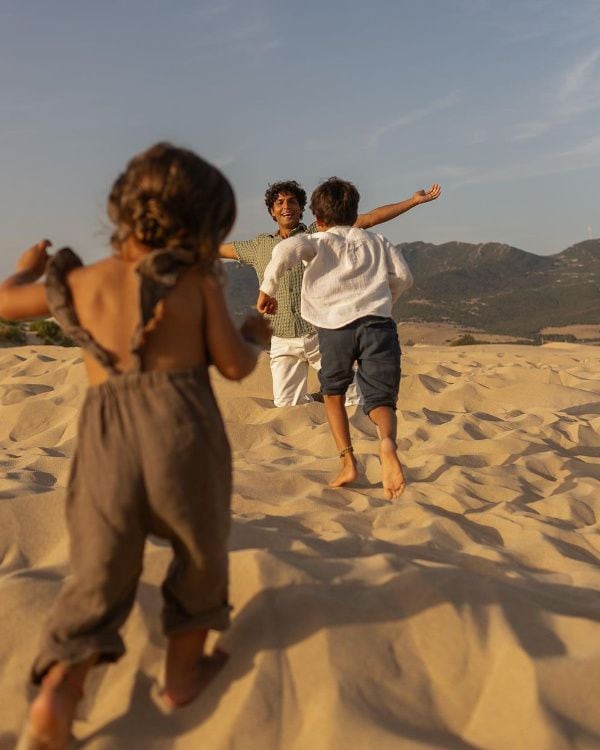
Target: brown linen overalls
pixel 152 457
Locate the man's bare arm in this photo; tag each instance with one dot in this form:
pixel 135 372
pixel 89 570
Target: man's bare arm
pixel 227 250
pixel 385 213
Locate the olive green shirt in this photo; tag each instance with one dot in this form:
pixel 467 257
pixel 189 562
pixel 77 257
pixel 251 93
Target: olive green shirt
pixel 287 322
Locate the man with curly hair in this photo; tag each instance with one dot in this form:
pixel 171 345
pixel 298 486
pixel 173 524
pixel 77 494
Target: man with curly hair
pixel 294 345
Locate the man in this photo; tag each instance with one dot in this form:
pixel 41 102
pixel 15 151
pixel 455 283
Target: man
pixel 294 345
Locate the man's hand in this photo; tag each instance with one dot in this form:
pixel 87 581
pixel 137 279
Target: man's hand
pixel 34 260
pixel 256 330
pixel 266 304
pixel 424 197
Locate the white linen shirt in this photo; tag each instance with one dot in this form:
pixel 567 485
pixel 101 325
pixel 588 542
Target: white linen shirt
pixel 350 273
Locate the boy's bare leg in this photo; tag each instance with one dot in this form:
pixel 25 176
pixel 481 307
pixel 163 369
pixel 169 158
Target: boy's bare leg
pixel 187 669
pixel 393 476
pixel 340 429
pixel 53 710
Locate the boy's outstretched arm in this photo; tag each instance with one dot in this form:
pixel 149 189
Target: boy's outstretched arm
pixel 385 213
pixel 20 297
pixel 233 353
pixel 286 255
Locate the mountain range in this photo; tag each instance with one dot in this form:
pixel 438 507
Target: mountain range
pixel 491 287
pixel 501 289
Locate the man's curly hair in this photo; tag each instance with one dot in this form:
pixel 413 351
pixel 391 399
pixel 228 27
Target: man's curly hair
pixel 286 187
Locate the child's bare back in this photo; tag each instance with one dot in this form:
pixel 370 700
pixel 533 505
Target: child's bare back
pixel 106 298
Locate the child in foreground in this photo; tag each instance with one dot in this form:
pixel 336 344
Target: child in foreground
pixel 152 455
pixel 352 277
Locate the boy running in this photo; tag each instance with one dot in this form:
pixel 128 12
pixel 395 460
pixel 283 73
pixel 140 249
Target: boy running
pixel 351 280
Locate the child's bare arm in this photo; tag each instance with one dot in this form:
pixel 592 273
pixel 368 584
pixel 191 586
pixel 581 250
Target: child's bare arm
pixel 20 297
pixel 233 355
pixel 381 214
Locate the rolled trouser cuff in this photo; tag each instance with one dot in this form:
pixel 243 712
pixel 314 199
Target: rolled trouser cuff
pixel 368 406
pixel 217 618
pixel 106 648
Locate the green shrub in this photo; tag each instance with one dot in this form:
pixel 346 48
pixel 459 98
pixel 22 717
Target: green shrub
pixel 465 340
pixel 50 333
pixel 12 333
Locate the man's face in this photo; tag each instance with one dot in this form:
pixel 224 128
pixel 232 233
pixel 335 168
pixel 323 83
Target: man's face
pixel 286 211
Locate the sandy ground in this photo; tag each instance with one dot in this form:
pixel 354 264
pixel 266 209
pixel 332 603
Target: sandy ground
pixel 464 615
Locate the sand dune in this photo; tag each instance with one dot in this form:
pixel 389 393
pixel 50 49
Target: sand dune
pixel 465 615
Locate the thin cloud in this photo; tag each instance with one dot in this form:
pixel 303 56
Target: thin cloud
pixel 525 131
pixel 415 116
pixel 579 90
pixel 372 137
pixel 576 93
pixel 589 148
pixel 225 161
pixel 550 164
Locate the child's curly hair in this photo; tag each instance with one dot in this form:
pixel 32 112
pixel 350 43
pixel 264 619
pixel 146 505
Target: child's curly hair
pixel 168 197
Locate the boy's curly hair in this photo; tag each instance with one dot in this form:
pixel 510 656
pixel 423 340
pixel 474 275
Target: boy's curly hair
pixel 286 187
pixel 168 197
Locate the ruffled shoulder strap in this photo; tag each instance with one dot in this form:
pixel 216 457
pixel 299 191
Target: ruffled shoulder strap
pixel 62 308
pixel 159 272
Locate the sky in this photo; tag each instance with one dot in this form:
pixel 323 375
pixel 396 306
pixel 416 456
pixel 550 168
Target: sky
pixel 499 102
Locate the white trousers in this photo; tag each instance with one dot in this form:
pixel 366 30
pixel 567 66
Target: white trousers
pixel 290 359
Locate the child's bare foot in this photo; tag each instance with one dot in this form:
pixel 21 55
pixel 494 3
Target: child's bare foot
pixel 52 712
pixel 188 671
pixel 348 473
pixel 393 476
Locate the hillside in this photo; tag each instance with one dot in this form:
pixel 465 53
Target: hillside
pixel 502 289
pixel 491 287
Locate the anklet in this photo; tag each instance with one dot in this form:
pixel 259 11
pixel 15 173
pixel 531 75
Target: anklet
pixel 347 449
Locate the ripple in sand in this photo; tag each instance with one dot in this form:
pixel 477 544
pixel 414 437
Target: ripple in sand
pixel 42 420
pixel 14 394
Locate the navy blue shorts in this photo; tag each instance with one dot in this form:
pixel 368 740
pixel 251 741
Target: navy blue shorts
pixel 373 343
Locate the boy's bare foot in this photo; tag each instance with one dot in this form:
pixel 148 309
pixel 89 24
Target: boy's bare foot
pixel 188 671
pixel 52 712
pixel 348 473
pixel 393 476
